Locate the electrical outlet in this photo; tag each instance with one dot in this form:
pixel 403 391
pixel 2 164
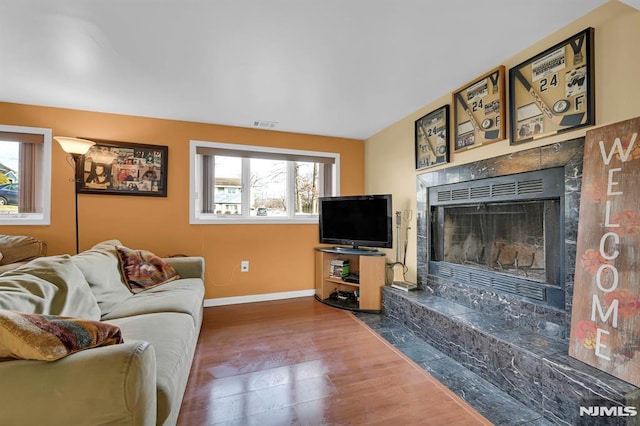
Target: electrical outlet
pixel 244 266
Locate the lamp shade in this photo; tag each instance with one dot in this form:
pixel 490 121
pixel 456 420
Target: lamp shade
pixel 74 145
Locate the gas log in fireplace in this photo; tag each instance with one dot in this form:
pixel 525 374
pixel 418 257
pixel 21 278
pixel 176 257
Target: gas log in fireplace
pixel 504 233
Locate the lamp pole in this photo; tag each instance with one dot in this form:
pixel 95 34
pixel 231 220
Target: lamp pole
pixel 76 179
pixel 76 148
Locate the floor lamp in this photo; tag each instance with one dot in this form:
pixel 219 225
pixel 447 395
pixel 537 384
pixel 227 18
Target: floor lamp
pixel 75 148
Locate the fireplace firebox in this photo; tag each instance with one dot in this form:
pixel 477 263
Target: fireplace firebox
pixel 504 233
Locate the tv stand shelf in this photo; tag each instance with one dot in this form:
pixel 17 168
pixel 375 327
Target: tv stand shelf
pixel 340 281
pixel 369 265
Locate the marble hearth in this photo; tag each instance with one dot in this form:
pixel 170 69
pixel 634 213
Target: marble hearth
pixel 517 344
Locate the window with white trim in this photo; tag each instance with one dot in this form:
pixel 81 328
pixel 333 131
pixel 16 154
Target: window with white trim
pixel 254 184
pixel 25 175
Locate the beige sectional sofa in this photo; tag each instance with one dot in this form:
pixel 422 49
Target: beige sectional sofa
pixel 139 382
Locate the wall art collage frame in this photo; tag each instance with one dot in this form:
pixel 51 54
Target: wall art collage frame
pixel 123 168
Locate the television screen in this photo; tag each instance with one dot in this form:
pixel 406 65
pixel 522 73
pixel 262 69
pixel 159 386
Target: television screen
pixel 360 220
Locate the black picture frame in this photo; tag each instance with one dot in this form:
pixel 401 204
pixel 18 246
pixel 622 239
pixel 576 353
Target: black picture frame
pixel 432 138
pixel 554 91
pixel 123 168
pixel 479 111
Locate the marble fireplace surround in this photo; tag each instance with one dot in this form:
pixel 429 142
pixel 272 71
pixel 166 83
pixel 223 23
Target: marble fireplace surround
pixel 547 320
pixel 519 346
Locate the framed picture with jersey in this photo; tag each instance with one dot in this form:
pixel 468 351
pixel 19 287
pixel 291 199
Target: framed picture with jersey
pixel 432 138
pixel 553 92
pixel 479 111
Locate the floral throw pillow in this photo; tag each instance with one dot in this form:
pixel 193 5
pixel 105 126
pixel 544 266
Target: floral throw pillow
pixel 51 337
pixel 143 270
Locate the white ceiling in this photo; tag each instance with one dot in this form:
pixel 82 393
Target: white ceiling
pixel 344 68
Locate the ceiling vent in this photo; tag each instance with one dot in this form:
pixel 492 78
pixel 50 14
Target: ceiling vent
pixel 265 124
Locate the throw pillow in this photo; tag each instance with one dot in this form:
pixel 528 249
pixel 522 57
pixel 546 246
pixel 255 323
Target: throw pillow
pixel 51 337
pixel 143 270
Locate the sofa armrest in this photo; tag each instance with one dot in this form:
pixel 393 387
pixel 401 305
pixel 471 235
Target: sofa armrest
pixel 107 385
pixel 20 248
pixel 188 267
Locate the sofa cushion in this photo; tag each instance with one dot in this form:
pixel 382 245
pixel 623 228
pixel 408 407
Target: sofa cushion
pixel 143 270
pixel 185 295
pixel 101 268
pixel 26 293
pixel 10 266
pixel 20 248
pixel 48 285
pixel 50 337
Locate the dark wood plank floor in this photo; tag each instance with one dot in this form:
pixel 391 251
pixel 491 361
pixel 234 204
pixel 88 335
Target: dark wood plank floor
pixel 300 362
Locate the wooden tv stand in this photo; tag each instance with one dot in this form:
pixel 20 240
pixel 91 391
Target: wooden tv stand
pixel 368 265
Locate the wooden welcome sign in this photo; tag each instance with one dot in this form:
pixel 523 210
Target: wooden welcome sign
pixel 605 324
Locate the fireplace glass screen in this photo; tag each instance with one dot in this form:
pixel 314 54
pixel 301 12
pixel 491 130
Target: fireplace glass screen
pixel 515 238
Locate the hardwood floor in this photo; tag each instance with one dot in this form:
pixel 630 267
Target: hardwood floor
pixel 300 362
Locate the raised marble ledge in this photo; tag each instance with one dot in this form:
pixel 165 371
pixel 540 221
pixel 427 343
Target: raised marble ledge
pixel 532 368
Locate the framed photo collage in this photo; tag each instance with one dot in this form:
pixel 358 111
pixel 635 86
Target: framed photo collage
pixel 123 168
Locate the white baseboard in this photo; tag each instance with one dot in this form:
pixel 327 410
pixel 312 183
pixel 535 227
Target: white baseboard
pixel 221 301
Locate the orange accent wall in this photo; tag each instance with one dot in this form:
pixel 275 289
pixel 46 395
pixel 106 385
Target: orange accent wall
pixel 281 256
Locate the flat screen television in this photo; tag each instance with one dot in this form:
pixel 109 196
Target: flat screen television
pixel 357 221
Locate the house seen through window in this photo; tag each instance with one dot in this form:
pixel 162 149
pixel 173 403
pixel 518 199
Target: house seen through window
pixel 25 164
pixel 239 182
